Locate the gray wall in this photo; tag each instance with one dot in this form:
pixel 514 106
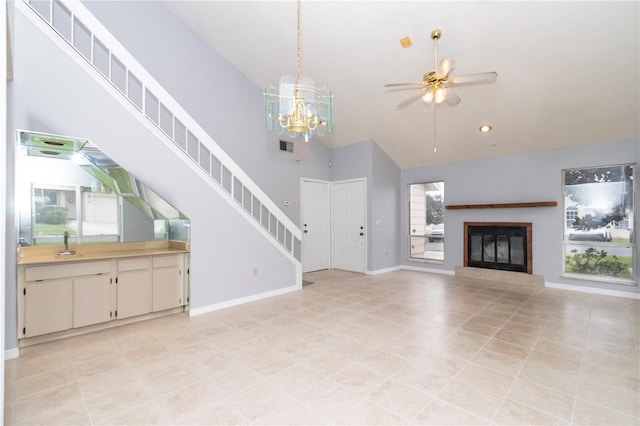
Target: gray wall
pixel 516 178
pixel 220 99
pixel 51 94
pixel 385 207
pixel 136 226
pixel 366 160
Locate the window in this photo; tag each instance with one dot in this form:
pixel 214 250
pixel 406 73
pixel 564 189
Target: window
pixel 598 223
pixel 572 215
pixel 95 218
pixel 426 221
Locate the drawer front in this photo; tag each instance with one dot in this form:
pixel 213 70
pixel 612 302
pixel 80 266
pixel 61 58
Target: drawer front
pixel 134 264
pixel 168 260
pixel 49 272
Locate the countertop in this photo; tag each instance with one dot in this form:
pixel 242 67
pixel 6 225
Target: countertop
pixel 87 252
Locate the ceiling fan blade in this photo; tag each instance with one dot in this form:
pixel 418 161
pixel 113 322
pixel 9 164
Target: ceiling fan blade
pixel 452 98
pixel 411 100
pixel 416 83
pixel 445 67
pixel 483 77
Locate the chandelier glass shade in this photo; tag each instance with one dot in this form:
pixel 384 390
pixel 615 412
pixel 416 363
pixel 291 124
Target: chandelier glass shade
pixel 298 105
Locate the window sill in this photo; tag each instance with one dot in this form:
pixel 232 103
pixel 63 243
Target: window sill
pixel 423 260
pixel 607 280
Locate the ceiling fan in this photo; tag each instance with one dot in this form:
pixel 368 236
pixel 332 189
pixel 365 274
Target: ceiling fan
pixel 436 85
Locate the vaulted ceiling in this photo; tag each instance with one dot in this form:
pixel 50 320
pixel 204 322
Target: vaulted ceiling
pixel 568 72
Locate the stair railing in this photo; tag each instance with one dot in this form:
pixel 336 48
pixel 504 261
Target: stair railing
pixel 89 39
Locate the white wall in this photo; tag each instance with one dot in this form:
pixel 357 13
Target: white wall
pixel 10 233
pixel 516 178
pixel 3 190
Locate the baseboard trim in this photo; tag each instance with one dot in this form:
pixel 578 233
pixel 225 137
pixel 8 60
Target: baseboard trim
pixel 432 270
pixel 592 290
pixel 383 271
pixel 11 353
pixel 242 300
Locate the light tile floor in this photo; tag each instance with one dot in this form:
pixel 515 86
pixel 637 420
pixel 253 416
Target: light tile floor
pixel 398 348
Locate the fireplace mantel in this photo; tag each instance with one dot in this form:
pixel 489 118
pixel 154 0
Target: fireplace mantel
pixel 502 205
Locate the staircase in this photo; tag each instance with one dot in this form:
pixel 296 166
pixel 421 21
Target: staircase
pixel 83 36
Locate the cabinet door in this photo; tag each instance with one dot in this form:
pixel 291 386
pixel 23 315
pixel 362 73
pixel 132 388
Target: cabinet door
pixel 167 288
pixel 91 300
pixel 48 306
pixel 134 289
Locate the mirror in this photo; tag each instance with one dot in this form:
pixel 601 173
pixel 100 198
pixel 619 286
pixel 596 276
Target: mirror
pixel 68 184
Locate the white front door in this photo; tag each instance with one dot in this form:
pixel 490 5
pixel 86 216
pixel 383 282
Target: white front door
pixel 315 213
pixel 348 200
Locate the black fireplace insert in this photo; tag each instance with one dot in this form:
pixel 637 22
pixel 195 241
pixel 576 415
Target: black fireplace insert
pixel 502 246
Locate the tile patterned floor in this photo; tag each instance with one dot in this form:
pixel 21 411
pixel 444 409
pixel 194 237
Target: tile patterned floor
pixel 398 348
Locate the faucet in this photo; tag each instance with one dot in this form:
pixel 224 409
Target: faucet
pixel 66 245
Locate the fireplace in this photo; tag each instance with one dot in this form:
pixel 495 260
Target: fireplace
pixel 498 245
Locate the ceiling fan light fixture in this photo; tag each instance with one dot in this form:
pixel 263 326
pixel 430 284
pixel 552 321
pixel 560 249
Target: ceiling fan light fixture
pixel 298 105
pixel 436 84
pixel 441 95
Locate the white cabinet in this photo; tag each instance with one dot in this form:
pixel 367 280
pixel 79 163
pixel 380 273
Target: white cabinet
pixel 91 300
pixel 70 295
pixel 167 282
pixel 134 287
pixel 60 297
pixel 49 306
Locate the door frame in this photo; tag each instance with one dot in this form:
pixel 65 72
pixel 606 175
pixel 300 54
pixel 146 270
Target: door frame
pixel 365 256
pixel 328 183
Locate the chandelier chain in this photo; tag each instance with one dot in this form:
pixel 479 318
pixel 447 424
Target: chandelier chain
pixel 299 58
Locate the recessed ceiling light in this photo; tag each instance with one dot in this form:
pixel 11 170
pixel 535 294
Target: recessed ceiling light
pixel 485 128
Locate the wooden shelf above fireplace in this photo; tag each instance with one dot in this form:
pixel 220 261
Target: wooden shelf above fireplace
pixel 502 205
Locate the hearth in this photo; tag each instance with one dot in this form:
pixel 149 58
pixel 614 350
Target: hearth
pixel 498 245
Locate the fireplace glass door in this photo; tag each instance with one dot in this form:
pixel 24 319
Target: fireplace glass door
pixel 497 247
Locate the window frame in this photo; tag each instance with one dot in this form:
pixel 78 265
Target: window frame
pixel 78 235
pixel 412 236
pixel 609 236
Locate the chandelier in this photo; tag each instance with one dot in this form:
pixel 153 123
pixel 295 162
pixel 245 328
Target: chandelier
pixel 297 105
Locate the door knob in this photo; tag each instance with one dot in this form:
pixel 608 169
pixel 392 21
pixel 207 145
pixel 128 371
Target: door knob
pixel 305 231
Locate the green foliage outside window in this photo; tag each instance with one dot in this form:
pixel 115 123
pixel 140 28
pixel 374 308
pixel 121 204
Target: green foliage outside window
pixel 53 215
pixel 598 262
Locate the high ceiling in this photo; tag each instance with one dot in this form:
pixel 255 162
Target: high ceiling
pixel 568 72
